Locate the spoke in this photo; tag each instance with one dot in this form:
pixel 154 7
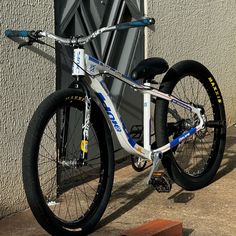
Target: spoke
pixel 50 159
pixel 74 187
pixel 45 162
pixel 67 208
pixel 74 190
pixel 76 198
pixel 205 148
pixel 50 131
pixel 197 93
pixel 78 120
pixel 192 155
pixel 89 184
pixel 54 181
pixel 47 171
pixel 86 197
pixel 47 153
pixel 184 92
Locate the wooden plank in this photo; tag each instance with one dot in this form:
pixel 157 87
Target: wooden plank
pixel 158 227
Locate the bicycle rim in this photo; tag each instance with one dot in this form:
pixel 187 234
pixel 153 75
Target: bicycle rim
pixel 193 155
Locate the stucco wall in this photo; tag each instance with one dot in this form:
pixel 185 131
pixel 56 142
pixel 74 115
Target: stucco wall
pixel 203 30
pixel 26 77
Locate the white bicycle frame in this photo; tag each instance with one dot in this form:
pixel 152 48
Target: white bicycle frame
pixel 93 71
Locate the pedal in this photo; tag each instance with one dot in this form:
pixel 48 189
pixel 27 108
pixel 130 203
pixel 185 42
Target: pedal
pixel 161 182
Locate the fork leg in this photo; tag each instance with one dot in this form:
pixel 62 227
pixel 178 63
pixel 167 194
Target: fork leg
pixel 85 129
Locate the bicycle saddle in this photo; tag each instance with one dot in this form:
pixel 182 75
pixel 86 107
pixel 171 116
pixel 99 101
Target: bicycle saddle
pixel 148 68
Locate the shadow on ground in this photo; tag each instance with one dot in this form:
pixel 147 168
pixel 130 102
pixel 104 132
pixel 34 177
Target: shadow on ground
pixel 229 159
pixel 131 200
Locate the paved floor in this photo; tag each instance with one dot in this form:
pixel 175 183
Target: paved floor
pixel 210 211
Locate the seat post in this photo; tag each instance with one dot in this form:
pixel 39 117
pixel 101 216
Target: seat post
pixel 147 119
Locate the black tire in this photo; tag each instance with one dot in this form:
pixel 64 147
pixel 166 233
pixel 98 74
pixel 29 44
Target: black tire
pixel 66 198
pixel 193 163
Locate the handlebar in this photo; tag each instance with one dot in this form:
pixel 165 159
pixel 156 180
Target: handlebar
pixel 17 33
pixel 137 23
pixel 33 36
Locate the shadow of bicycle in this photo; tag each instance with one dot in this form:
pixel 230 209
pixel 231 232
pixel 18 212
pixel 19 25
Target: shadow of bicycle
pixel 125 199
pixel 229 160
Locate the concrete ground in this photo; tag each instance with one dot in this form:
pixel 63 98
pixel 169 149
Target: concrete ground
pixel 210 211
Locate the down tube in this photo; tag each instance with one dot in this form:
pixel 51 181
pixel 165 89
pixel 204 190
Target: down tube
pixel 121 131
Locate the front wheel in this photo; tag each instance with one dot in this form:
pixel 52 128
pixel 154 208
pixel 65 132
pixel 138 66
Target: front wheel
pixel 193 163
pixel 66 195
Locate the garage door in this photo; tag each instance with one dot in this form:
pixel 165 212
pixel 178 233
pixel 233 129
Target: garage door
pixel 121 50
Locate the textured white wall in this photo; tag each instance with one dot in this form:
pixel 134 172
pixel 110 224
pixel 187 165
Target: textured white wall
pixel 203 30
pixel 26 77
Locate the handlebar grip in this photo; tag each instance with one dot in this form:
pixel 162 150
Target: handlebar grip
pixel 17 33
pixel 139 23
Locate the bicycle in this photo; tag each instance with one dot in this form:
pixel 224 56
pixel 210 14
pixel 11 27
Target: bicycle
pixel 68 158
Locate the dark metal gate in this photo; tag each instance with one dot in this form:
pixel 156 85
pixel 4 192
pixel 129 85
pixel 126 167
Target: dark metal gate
pixel 121 50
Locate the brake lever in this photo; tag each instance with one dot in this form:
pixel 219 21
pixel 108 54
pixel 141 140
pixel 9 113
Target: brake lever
pixel 33 38
pixel 28 43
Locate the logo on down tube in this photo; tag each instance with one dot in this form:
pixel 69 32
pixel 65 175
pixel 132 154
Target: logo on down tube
pixel 109 113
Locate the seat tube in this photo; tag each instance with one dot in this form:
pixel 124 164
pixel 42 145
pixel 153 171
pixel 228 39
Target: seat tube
pixel 147 119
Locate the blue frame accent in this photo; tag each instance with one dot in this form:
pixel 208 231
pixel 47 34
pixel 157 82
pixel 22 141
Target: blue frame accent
pixel 109 112
pixel 182 137
pixel 130 139
pixel 93 59
pixel 181 103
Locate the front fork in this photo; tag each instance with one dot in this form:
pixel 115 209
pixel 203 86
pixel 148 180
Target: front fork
pixel 86 120
pixel 85 130
pixel 81 160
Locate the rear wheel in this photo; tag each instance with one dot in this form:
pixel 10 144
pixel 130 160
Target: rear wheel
pixel 193 163
pixel 66 195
